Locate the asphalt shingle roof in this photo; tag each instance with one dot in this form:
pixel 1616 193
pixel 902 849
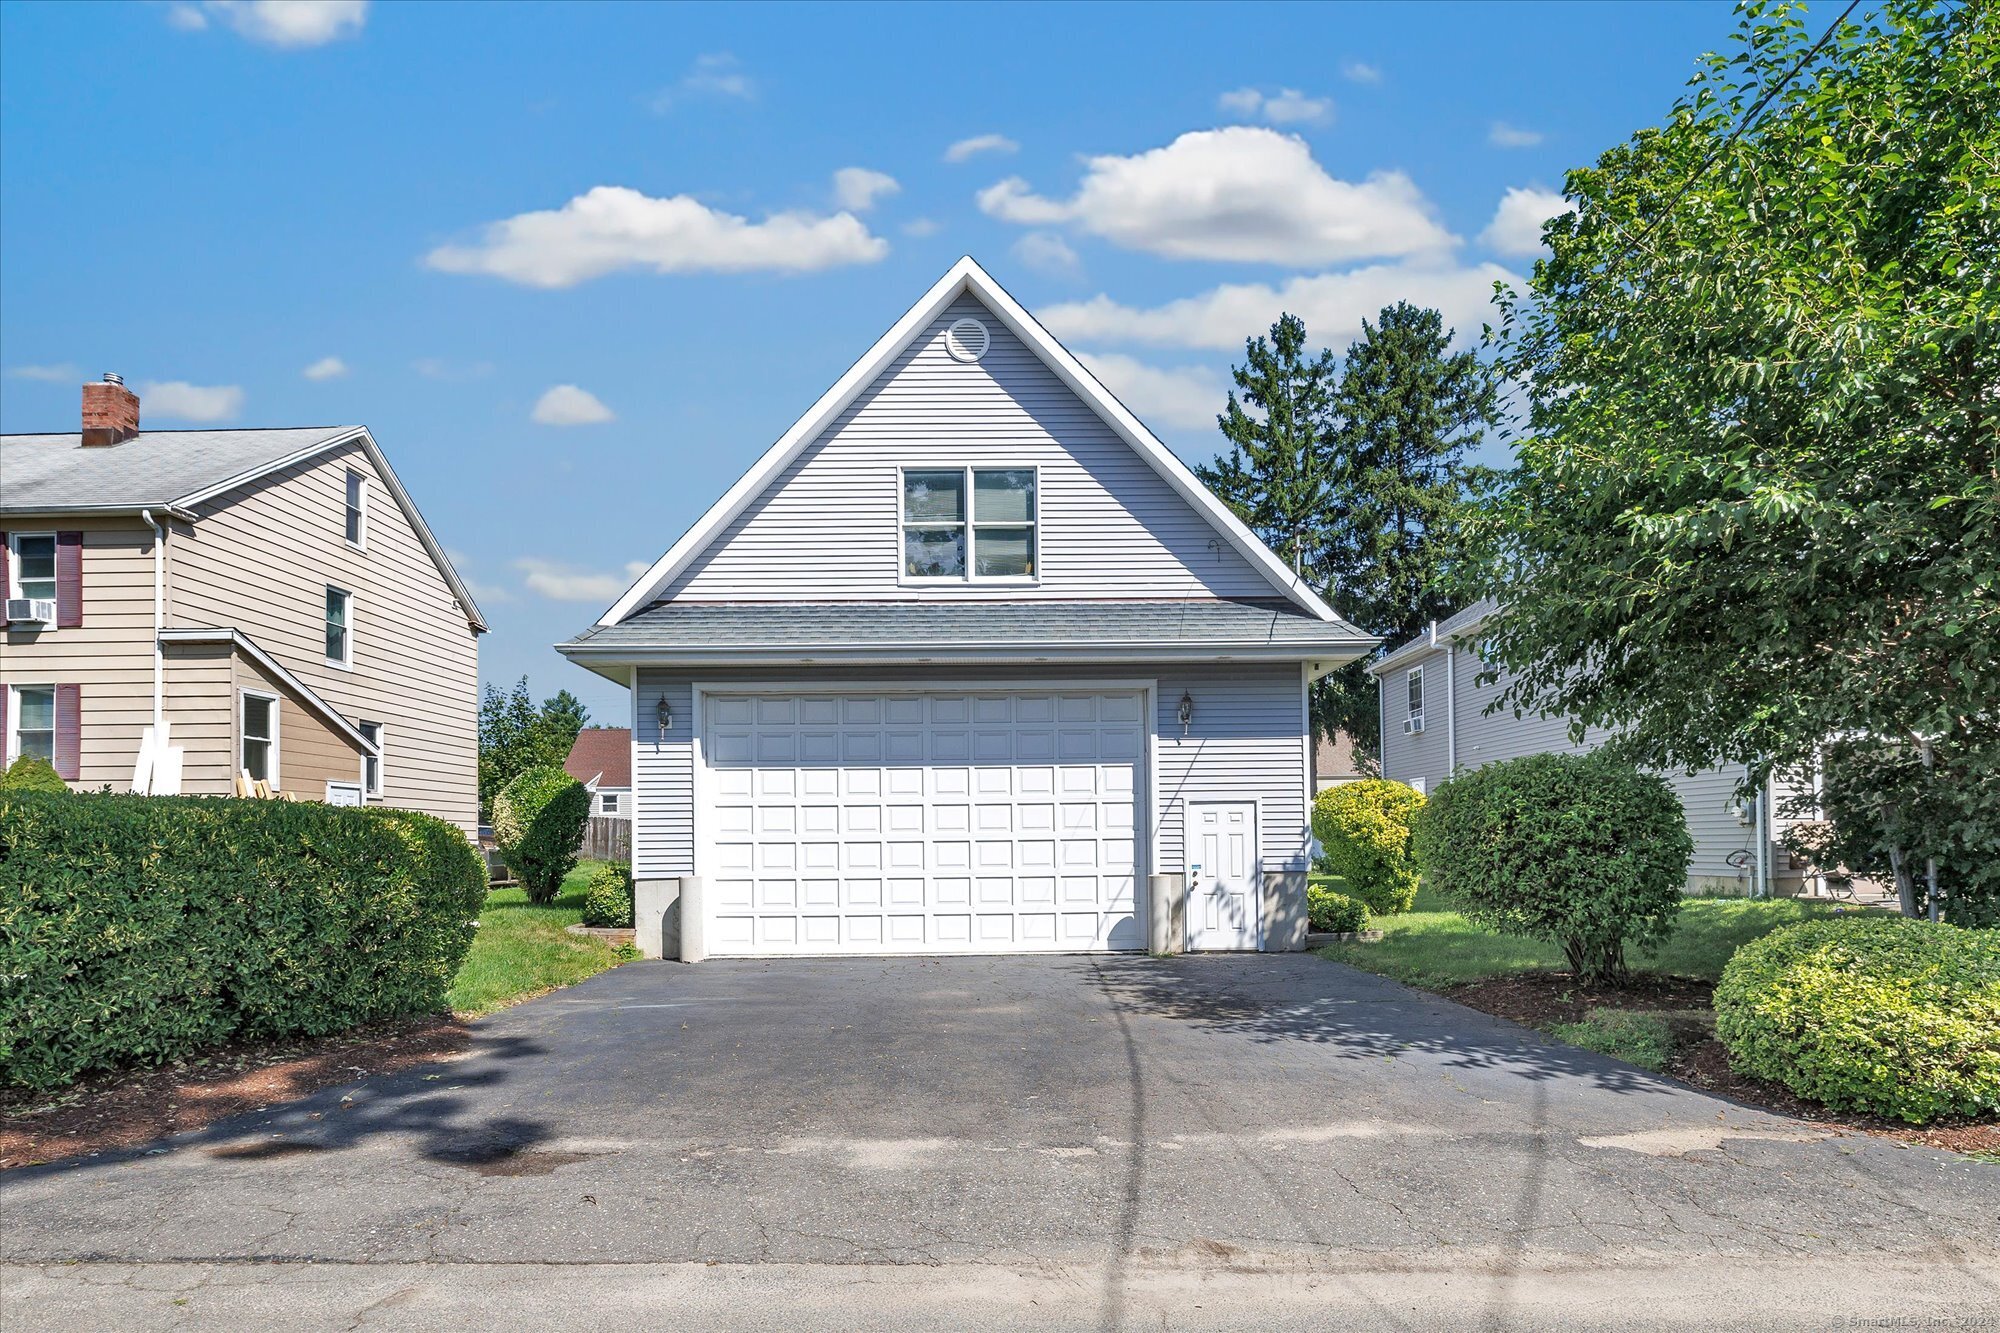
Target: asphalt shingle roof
pixel 153 468
pixel 785 625
pixel 604 753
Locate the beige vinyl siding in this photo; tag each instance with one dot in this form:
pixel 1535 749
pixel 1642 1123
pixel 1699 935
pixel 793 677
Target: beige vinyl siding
pixel 827 527
pixel 201 717
pixel 110 655
pixel 259 560
pixel 310 753
pixel 1246 742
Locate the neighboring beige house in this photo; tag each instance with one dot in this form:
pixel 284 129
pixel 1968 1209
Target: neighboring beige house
pixel 272 596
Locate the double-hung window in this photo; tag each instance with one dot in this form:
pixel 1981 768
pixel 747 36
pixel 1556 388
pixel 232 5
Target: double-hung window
pixel 357 507
pixel 339 626
pixel 371 766
pixel 260 736
pixel 1415 696
pixel 969 524
pixel 33 722
pixel 33 565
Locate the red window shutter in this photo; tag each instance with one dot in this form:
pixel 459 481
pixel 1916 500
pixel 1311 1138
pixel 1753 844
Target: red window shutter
pixel 6 585
pixel 6 698
pixel 69 731
pixel 69 580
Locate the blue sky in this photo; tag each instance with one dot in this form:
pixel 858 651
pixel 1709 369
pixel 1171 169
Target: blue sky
pixel 577 265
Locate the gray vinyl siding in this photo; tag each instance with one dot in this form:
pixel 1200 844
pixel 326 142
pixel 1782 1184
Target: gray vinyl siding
pixel 1708 797
pixel 1247 742
pixel 827 526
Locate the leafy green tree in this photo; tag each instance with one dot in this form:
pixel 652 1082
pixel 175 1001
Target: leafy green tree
pixel 538 820
pixel 515 734
pixel 1758 506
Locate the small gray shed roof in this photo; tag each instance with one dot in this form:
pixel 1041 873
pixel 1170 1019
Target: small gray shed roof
pixel 153 469
pixel 978 631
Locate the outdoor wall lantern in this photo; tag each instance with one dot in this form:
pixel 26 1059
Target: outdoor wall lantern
pixel 1186 713
pixel 665 712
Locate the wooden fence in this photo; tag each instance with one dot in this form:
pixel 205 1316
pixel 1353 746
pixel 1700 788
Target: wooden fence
pixel 607 839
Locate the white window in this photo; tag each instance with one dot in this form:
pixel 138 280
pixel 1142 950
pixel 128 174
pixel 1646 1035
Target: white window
pixel 371 765
pixel 339 626
pixel 260 736
pixel 357 507
pixel 33 568
pixel 969 524
pixel 31 722
pixel 1414 687
pixel 607 802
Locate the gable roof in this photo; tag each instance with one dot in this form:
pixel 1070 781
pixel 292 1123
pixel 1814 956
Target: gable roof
pixel 964 277
pixel 602 755
pixel 175 470
pixel 1440 634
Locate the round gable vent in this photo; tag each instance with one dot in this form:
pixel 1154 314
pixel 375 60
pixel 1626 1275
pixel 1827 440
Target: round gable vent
pixel 967 339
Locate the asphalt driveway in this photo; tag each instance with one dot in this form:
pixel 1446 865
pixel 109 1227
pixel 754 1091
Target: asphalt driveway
pixel 1065 1141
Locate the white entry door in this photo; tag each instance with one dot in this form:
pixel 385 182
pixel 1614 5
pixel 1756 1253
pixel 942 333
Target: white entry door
pixel 947 822
pixel 1225 879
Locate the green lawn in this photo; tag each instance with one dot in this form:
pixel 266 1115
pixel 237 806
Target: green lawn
pixel 522 950
pixel 1433 946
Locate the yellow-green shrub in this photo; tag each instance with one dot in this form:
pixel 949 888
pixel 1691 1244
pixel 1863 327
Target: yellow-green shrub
pixel 1330 910
pixel 137 929
pixel 1885 1015
pixel 608 901
pixel 538 820
pixel 1364 835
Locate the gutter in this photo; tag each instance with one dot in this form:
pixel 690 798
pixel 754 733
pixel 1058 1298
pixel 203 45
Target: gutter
pixel 171 508
pixel 975 654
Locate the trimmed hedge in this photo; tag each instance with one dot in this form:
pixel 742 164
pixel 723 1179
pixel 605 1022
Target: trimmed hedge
pixel 139 929
pixel 31 772
pixel 1891 1016
pixel 1328 909
pixel 538 820
pixel 608 901
pixel 1583 851
pixel 1364 834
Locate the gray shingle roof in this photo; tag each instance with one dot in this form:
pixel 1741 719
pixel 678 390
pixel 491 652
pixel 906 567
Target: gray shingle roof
pixel 929 627
pixel 154 468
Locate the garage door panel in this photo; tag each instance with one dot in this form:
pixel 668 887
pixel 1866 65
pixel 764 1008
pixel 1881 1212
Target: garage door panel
pixel 947 822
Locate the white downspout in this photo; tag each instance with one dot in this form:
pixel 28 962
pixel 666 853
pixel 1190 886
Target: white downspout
pixel 1450 711
pixel 159 622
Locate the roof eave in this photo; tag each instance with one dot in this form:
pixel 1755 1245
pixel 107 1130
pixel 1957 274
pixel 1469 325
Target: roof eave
pixel 1331 653
pixel 171 508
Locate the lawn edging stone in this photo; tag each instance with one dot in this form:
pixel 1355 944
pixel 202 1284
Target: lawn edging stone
pixel 1319 939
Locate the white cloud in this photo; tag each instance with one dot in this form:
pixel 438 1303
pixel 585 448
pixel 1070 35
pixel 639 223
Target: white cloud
pixel 284 23
pixel 190 402
pixel 718 75
pixel 1046 252
pixel 1356 71
pixel 857 188
pixel 57 374
pixel 1288 106
pixel 1503 135
pixel 980 143
pixel 1243 193
pixel 567 405
pixel 613 227
pixel 1516 228
pixel 1182 397
pixel 485 593
pixel 564 583
pixel 1331 304
pixel 326 368
pixel 922 227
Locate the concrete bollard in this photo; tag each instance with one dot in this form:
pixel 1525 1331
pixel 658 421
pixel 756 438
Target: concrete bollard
pixel 1166 916
pixel 694 936
pixel 652 913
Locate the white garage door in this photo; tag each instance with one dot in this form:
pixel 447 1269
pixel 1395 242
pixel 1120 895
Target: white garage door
pixel 922 823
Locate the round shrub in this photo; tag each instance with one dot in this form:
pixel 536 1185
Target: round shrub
pixel 538 820
pixel 1887 1015
pixel 1364 834
pixel 31 772
pixel 609 900
pixel 1330 910
pixel 1583 851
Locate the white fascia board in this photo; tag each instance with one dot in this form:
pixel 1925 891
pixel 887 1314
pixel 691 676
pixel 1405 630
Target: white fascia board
pixel 964 276
pixel 248 647
pixel 1445 632
pixel 250 474
pixel 602 660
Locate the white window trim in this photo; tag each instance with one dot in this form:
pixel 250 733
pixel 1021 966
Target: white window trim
pixel 381 759
pixel 14 540
pixel 343 663
pixel 1413 677
pixel 360 542
pixel 12 740
pixel 969 578
pixel 604 796
pixel 242 734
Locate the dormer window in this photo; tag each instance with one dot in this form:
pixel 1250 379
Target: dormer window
pixel 970 524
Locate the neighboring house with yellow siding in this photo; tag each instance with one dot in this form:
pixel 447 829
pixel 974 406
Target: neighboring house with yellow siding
pixel 272 596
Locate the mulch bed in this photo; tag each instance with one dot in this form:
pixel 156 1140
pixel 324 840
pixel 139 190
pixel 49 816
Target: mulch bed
pixel 1538 999
pixel 128 1108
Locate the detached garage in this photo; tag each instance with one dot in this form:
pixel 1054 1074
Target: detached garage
pixel 968 662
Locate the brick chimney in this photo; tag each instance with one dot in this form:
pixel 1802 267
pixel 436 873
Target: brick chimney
pixel 110 412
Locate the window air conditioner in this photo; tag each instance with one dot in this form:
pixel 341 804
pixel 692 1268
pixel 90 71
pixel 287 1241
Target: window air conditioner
pixel 31 610
pixel 1413 725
